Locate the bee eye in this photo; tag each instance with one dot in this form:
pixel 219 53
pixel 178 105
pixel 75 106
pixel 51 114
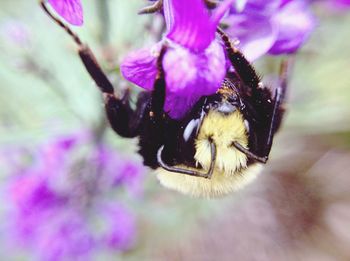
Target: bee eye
pixel 226 108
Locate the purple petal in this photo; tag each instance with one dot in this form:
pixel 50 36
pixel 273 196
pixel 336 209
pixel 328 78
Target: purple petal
pixel 258 8
pixel 119 171
pixel 67 237
pixel 16 32
pixel 33 200
pixel 239 5
pixel 191 75
pixel 252 27
pixel 140 68
pixel 344 3
pixel 189 24
pixel 275 27
pixel 120 229
pixel 55 154
pixel 255 33
pixel 295 23
pixel 70 10
pixel 221 10
pixel 32 192
pixel 337 5
pixel 131 175
pixel 284 2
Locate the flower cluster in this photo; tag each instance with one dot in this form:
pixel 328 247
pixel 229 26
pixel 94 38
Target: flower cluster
pixel 273 27
pixel 63 202
pixel 337 4
pixel 195 63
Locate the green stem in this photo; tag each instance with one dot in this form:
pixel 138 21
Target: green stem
pixel 104 18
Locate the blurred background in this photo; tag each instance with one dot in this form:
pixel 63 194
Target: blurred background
pixel 73 190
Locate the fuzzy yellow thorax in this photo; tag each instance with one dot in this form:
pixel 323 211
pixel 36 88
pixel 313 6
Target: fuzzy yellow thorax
pixel 230 171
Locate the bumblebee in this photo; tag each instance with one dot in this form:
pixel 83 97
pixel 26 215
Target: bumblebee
pixel 221 143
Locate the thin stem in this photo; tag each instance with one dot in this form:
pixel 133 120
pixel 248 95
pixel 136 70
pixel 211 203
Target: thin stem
pixel 104 18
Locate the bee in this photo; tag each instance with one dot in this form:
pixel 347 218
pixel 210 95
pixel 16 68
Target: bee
pixel 222 142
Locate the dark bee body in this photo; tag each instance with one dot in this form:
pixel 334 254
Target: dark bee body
pixel 155 132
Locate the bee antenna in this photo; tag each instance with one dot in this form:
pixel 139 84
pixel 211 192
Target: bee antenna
pixel 61 24
pixel 160 60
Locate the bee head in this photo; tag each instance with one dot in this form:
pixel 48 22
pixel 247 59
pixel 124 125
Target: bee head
pixel 224 102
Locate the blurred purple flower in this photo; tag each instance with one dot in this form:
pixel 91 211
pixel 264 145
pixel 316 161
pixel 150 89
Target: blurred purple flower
pixel 120 229
pixel 120 172
pixel 32 197
pixel 194 63
pixel 274 27
pixel 342 2
pixel 57 199
pixel 295 23
pixel 16 33
pixel 70 10
pixel 338 4
pixel 67 236
pixel 131 178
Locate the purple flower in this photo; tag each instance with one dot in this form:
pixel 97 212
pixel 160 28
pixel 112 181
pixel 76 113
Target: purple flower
pixel 70 10
pixel 119 171
pixel 295 23
pixel 44 220
pixel 59 197
pixel 65 236
pixel 338 4
pixel 119 231
pixel 342 2
pixel 274 27
pixel 194 63
pixel 32 197
pixel 16 33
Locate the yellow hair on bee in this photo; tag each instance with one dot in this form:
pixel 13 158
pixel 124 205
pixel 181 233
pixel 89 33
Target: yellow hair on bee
pixel 230 171
pixel 223 130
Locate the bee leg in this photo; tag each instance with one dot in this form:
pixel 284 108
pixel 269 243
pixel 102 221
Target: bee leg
pixel 154 130
pixel 276 116
pixel 189 172
pixel 242 66
pixel 157 6
pixel 274 123
pixel 278 109
pixel 159 88
pixel 248 153
pixel 246 73
pixel 211 4
pixel 256 90
pixel 119 112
